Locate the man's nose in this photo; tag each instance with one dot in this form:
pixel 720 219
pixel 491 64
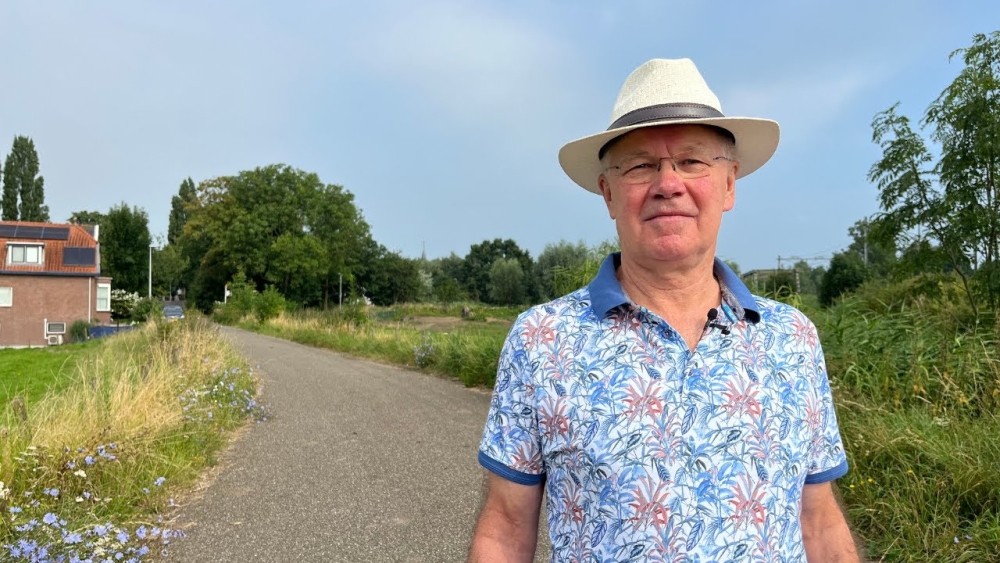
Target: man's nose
pixel 668 182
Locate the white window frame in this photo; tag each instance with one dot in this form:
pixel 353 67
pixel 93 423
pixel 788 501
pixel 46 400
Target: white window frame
pixel 48 328
pixel 97 304
pixel 24 252
pixel 9 302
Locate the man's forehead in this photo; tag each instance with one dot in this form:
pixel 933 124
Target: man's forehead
pixel 680 137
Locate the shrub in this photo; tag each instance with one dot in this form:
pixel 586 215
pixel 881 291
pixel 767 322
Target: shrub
pixel 146 309
pixel 268 305
pixel 78 331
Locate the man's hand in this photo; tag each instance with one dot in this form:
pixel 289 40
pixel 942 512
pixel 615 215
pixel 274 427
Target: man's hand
pixel 507 530
pixel 825 532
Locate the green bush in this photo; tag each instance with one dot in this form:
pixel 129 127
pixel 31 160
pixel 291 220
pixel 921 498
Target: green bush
pixel 268 305
pixel 79 331
pixel 147 309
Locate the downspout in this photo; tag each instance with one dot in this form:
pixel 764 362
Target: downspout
pixel 90 287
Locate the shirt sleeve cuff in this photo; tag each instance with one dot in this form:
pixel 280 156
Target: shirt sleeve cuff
pixel 509 474
pixel 826 475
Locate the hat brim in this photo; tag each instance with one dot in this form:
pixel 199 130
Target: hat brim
pixel 756 141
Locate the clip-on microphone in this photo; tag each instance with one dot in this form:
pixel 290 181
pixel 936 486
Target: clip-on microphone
pixel 712 315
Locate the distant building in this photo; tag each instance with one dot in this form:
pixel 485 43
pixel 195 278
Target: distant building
pixel 50 276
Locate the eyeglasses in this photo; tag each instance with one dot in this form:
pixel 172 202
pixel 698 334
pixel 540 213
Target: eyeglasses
pixel 640 170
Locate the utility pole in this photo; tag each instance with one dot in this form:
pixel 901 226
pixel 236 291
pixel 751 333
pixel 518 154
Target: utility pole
pixel 864 234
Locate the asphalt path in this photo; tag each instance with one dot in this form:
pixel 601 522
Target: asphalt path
pixel 358 461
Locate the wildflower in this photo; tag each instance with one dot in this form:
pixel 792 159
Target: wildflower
pixel 80 473
pixel 122 536
pixel 145 490
pixel 15 510
pixel 88 460
pixel 870 480
pixel 159 481
pixel 73 538
pixel 49 519
pixel 956 539
pixel 71 465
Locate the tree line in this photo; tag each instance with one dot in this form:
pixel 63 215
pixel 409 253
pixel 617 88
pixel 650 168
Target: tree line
pixel 282 227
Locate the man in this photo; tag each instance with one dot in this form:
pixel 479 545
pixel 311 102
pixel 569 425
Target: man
pixel 660 432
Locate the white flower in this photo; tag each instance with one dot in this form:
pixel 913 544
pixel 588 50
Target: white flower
pixel 80 473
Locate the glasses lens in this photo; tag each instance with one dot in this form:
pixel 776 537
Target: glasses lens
pixel 645 169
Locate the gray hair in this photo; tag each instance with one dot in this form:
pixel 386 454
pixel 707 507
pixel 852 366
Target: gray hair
pixel 726 141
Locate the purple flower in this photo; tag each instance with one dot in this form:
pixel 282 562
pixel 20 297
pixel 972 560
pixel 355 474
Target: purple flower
pixel 88 460
pixel 49 518
pixel 159 481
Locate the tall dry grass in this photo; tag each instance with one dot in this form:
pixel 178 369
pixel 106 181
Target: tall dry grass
pixel 146 412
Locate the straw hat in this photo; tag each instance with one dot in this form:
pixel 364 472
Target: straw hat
pixel 668 92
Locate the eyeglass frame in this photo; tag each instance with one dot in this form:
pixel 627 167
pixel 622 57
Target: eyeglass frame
pixel 673 166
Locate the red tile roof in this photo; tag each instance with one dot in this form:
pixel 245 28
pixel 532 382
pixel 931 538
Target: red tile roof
pixel 79 237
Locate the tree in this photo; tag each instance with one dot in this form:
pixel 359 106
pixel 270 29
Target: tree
pixel 877 254
pixel 562 254
pixel 179 210
pixel 86 218
pixel 479 261
pixel 169 268
pixel 387 277
pixel 23 189
pixel 125 250
pixel 507 282
pixel 846 273
pixel 278 225
pixel 957 200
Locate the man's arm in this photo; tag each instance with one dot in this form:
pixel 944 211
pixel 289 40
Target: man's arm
pixel 507 530
pixel 825 532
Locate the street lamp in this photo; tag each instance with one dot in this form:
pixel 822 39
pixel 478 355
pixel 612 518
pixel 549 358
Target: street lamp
pixel 150 294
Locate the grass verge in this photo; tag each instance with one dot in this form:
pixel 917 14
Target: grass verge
pixel 469 353
pixel 88 473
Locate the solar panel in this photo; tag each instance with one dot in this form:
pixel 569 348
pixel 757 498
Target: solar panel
pixel 43 233
pixel 29 232
pixel 74 256
pixel 55 233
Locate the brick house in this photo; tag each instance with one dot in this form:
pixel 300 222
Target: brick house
pixel 50 276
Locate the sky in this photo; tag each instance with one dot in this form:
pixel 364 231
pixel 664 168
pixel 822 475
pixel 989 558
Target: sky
pixel 445 119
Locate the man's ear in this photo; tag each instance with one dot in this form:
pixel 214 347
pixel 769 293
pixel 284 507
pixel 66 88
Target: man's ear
pixel 731 187
pixel 605 186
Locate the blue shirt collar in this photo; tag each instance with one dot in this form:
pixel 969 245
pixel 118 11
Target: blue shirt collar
pixel 606 292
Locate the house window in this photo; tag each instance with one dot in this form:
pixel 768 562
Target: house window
pixel 6 296
pixel 56 328
pixel 27 254
pixel 103 297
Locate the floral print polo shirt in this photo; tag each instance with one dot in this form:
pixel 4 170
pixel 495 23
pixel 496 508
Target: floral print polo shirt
pixel 651 452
